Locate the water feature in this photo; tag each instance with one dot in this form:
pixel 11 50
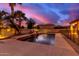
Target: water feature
pixel 45 39
pixel 48 39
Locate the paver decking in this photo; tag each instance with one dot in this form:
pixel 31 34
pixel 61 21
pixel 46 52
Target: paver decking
pixel 15 47
pixel 61 42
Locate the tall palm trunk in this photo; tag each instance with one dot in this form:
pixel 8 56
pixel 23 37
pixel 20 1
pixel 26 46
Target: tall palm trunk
pixel 12 14
pixel 12 11
pixel 12 8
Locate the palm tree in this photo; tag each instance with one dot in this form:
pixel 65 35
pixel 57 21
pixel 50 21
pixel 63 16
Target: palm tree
pixel 12 5
pixel 12 8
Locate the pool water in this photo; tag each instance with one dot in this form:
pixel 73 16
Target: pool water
pixel 48 39
pixel 45 39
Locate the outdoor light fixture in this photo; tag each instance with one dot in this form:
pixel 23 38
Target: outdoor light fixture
pixel 6 32
pixel 74 31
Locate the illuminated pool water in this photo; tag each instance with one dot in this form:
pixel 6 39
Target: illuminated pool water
pixel 48 39
pixel 45 39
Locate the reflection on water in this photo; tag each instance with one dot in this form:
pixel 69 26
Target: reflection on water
pixel 46 39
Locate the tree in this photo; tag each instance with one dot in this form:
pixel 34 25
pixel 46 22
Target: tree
pixel 20 16
pixel 12 5
pixel 12 23
pixel 31 23
pixel 2 17
pixel 4 14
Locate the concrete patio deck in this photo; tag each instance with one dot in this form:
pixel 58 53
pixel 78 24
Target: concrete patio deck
pixel 13 47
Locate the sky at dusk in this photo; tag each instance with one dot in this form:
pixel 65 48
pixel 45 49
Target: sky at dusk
pixel 54 13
